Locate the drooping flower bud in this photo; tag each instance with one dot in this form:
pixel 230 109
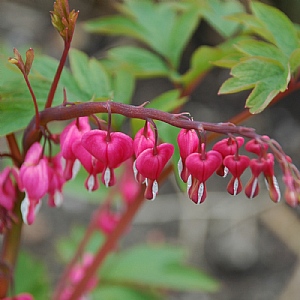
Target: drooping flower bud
pixel 150 164
pixel 188 143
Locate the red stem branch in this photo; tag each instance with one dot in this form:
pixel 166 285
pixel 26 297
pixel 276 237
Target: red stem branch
pixel 59 70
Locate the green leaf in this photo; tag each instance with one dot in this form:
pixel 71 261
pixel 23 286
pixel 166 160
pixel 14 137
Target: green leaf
pixel 159 267
pixel 216 14
pixel 90 75
pixel 256 48
pixel 140 62
pixel 295 60
pixel 268 77
pixel 115 292
pixel 279 25
pixel 116 25
pixel 31 277
pixel 162 26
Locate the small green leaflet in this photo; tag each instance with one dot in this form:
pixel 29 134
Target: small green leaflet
pixel 267 77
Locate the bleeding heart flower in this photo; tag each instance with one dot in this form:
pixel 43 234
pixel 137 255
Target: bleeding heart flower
pixel 150 164
pixel 257 166
pixel 236 165
pixel 271 181
pixel 188 143
pixel 72 133
pixel 256 147
pixel 34 180
pixel 201 166
pixel 111 149
pixel 91 165
pixel 144 139
pixel 7 189
pixel 228 146
pixel 56 180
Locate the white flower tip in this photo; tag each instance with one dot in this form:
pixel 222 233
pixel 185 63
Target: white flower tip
pixel 107 177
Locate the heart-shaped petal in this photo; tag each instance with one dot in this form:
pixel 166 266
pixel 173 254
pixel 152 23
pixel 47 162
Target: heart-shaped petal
pixel 150 164
pixel 201 168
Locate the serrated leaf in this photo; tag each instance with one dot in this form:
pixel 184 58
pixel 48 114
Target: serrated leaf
pixel 158 267
pixel 279 25
pixel 256 48
pixel 37 283
pixel 141 62
pixel 268 77
pixel 216 14
pixel 115 292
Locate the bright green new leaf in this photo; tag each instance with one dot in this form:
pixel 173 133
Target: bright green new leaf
pixel 37 283
pixel 267 77
pixel 216 14
pixel 279 25
pixel 159 267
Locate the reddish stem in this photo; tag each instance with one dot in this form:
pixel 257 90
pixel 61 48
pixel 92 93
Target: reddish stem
pixel 59 70
pixel 12 237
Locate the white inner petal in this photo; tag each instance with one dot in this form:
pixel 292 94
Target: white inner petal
pixel 25 208
pixel 189 183
pixel 107 177
pixel 58 198
pixel 200 192
pixel 135 171
pixel 154 189
pixel 277 188
pixel 225 172
pixel 91 183
pixel 180 166
pixel 254 185
pixel 76 168
pixel 235 186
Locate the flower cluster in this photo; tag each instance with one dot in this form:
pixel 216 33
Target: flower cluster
pixel 100 152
